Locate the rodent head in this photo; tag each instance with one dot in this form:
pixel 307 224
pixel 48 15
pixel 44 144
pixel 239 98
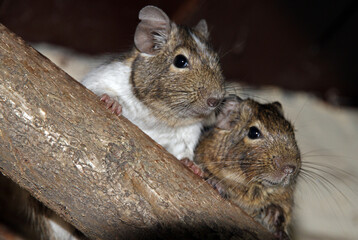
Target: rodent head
pixel 252 143
pixel 175 71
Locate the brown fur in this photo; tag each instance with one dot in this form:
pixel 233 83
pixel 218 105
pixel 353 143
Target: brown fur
pixel 178 96
pixel 247 171
pixel 23 213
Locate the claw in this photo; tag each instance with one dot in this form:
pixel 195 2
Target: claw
pixel 112 104
pixel 274 218
pixel 193 167
pixel 104 98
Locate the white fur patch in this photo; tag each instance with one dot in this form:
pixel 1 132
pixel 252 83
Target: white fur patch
pixel 113 79
pixel 60 230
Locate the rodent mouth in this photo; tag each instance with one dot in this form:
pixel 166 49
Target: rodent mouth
pixel 281 182
pixel 269 183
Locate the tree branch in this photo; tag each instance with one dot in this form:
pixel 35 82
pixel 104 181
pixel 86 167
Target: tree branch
pixel 97 171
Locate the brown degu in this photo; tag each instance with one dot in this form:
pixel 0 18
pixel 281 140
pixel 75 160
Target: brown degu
pixel 28 217
pixel 167 85
pixel 252 158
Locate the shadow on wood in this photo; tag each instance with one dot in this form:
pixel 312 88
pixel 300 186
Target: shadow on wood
pixel 97 171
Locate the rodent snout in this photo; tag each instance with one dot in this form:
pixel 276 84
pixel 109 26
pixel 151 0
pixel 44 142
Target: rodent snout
pixel 286 167
pixel 213 102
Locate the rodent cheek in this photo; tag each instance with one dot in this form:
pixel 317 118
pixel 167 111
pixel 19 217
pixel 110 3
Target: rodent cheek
pixel 251 142
pixel 176 70
pixel 239 159
pixel 230 175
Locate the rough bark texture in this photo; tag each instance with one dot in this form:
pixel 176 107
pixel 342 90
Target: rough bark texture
pixel 99 172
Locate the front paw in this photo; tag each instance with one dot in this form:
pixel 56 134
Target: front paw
pixel 193 167
pixel 112 104
pixel 218 186
pixel 273 218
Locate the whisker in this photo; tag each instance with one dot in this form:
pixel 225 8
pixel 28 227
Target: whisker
pixel 314 184
pixel 329 187
pixel 305 155
pixel 314 178
pixel 329 167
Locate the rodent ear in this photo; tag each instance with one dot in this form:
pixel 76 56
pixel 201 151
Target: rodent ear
pixel 202 28
pixel 226 119
pixel 278 106
pixel 153 30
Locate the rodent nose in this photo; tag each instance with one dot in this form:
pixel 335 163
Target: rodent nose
pixel 289 169
pixel 213 102
pixel 285 166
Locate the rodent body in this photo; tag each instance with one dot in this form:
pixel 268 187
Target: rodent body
pixel 30 218
pixel 178 140
pixel 168 84
pixel 252 158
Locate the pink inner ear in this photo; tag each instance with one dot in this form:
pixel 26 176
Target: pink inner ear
pixel 152 19
pixel 143 39
pixel 151 13
pixel 202 28
pixel 224 120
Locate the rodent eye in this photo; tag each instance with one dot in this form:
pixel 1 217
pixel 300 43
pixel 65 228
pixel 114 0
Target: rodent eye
pixel 180 61
pixel 254 133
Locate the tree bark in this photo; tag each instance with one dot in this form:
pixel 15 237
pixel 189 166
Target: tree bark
pixel 96 170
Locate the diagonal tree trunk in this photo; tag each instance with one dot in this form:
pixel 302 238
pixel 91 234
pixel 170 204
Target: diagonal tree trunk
pixel 97 171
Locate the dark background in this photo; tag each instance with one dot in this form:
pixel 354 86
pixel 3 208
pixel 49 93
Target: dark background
pixel 308 45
